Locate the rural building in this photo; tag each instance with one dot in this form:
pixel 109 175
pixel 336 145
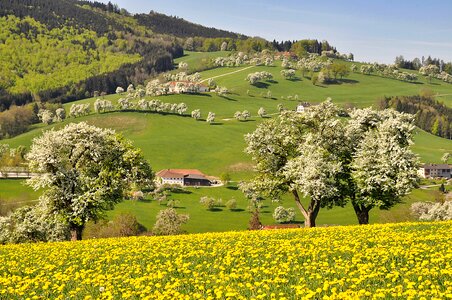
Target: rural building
pixel 286 54
pixel 179 87
pixel 436 170
pixel 183 177
pixel 301 107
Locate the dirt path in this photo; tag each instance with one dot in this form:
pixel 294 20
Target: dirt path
pixel 228 73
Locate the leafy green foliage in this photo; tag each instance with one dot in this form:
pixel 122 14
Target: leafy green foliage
pixel 431 115
pixel 36 58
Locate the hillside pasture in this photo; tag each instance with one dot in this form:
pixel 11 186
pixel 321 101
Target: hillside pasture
pixel 173 141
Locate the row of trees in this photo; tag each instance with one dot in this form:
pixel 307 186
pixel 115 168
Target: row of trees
pixel 365 160
pixel 384 70
pixel 102 106
pixel 417 63
pixel 431 115
pixel 255 77
pixel 432 71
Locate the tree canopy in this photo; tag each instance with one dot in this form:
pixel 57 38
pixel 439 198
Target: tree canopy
pixel 85 170
pixel 332 161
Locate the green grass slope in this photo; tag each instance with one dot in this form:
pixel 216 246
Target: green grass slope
pixel 171 141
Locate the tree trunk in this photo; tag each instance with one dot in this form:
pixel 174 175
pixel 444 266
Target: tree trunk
pixel 309 214
pixel 76 232
pixel 313 211
pixel 362 213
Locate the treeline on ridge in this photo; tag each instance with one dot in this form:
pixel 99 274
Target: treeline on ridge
pixel 101 51
pixel 431 115
pixel 417 63
pixel 179 27
pixel 58 13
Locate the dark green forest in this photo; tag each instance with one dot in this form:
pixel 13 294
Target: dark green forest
pixel 431 115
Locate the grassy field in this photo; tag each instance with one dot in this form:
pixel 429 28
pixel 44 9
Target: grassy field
pixel 390 261
pixel 170 141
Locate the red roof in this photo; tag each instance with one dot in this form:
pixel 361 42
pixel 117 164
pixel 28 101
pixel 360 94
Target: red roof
pixel 178 173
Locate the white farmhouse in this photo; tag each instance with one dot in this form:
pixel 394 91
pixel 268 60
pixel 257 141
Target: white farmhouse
pixel 183 177
pixel 435 170
pixel 179 87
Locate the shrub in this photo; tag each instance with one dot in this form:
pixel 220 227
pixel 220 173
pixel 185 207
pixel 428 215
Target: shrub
pixel 282 215
pixel 428 211
pixel 137 195
pixel 126 225
pixel 122 225
pixel 231 204
pixel 32 224
pixel 169 222
pixel 208 202
pixel 225 177
pixel 173 203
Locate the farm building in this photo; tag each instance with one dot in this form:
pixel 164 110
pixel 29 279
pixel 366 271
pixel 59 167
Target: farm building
pixel 301 107
pixel 436 170
pixel 179 87
pixel 183 177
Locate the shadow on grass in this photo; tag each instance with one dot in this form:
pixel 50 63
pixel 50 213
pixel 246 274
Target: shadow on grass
pixel 215 209
pixel 294 79
pixel 237 209
pixel 216 123
pixel 227 98
pixel 142 200
pixel 180 191
pixel 234 188
pixel 349 81
pixel 261 85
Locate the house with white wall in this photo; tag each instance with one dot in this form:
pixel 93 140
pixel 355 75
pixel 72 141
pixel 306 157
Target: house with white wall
pixel 435 170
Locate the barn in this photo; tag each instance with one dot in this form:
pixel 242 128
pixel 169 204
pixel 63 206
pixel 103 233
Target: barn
pixel 183 177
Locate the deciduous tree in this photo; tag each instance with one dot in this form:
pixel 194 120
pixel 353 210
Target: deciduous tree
pixel 85 171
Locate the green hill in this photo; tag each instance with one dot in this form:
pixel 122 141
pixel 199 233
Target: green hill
pixel 64 50
pixel 172 141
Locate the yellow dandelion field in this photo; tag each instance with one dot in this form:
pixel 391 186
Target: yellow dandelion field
pixel 393 261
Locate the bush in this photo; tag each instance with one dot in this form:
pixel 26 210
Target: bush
pixel 169 222
pixel 173 203
pixel 282 215
pixel 126 225
pixel 208 202
pixel 231 204
pixel 122 225
pixel 428 211
pixel 225 178
pixel 32 224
